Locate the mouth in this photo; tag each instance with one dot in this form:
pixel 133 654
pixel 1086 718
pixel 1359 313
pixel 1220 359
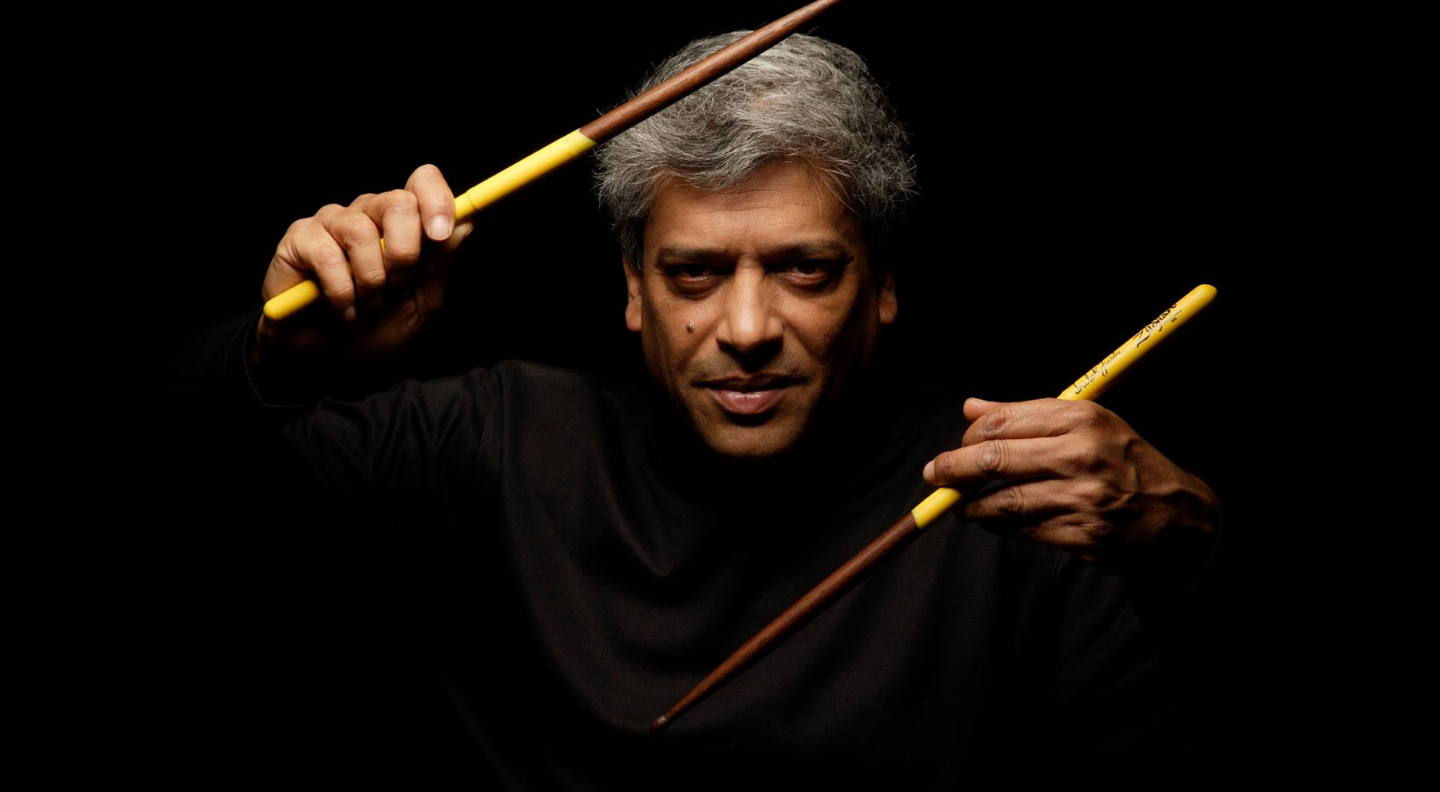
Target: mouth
pixel 749 396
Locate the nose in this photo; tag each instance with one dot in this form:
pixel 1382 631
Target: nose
pixel 749 329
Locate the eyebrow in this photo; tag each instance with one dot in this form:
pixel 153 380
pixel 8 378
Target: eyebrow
pixel 799 250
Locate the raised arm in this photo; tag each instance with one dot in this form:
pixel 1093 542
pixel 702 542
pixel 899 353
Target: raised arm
pixel 381 262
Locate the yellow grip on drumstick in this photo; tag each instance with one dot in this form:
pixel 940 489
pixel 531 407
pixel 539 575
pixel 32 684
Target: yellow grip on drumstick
pixel 467 203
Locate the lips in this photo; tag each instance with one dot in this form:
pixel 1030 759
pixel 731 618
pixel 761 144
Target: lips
pixel 749 396
pixel 747 402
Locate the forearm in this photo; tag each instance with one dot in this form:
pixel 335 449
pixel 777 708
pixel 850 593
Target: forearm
pixel 283 379
pixel 1169 571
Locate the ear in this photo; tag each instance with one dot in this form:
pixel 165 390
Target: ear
pixel 888 306
pixel 633 279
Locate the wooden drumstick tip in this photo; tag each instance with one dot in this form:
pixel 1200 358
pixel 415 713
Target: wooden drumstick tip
pixel 658 725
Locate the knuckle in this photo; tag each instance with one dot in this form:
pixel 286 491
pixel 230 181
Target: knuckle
pixel 428 169
pixel 1088 414
pixel 401 201
pixel 356 227
pixel 415 323
pixel 370 280
pixel 328 259
pixel 341 296
pixel 401 255
pixel 1084 458
pixel 945 465
pixel 995 421
pixel 331 262
pixel 311 234
pixel 284 249
pixel 1098 533
pixel 1090 457
pixel 1010 502
pixel 1092 493
pixel 993 455
pixel 1046 533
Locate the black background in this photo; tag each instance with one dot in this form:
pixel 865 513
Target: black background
pixel 1079 172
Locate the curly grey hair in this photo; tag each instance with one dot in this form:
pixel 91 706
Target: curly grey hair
pixel 804 100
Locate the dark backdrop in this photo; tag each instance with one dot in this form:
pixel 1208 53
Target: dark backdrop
pixel 1079 172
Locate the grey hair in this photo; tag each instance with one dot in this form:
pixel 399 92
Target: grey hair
pixel 804 100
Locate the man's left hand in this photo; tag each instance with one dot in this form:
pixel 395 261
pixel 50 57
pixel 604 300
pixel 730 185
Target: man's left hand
pixel 1078 477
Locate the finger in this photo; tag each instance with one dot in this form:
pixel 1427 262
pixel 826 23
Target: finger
pixel 435 273
pixel 397 215
pixel 1046 511
pixel 1036 418
pixel 437 202
pixel 286 268
pixel 462 231
pixel 976 407
pixel 1020 458
pixel 359 237
pixel 429 285
pixel 308 247
pixel 1036 501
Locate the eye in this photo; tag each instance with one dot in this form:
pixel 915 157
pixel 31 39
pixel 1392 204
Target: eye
pixel 810 272
pixel 691 272
pixel 692 279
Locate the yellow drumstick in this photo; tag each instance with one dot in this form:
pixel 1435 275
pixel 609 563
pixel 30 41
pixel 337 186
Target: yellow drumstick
pixel 1095 382
pixel 575 144
pixel 467 203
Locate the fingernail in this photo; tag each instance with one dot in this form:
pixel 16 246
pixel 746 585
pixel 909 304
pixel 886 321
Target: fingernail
pixel 929 474
pixel 440 228
pixel 348 314
pixel 977 400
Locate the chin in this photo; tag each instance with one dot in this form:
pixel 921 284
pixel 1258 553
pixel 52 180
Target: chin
pixel 750 442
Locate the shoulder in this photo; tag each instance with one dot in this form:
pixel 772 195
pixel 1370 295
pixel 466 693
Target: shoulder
pixel 488 391
pixel 545 397
pixel 454 420
pixel 528 378
pixel 511 391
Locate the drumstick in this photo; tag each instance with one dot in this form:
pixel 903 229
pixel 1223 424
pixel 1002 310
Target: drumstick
pixel 1089 387
pixel 575 144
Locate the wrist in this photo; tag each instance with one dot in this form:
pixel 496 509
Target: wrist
pixel 278 375
pixel 1175 556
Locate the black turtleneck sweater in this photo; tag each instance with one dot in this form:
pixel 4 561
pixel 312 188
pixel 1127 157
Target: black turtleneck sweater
pixel 500 578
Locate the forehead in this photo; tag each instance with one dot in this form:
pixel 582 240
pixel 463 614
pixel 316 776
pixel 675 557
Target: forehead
pixel 781 206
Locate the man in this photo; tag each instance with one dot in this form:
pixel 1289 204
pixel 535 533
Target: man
pixel 556 559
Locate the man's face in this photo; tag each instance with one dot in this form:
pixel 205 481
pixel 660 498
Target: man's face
pixel 755 306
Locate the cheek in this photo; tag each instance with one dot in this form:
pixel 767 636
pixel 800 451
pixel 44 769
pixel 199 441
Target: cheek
pixel 827 329
pixel 666 318
pixel 668 346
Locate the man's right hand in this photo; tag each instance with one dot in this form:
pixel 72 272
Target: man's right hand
pixel 375 299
